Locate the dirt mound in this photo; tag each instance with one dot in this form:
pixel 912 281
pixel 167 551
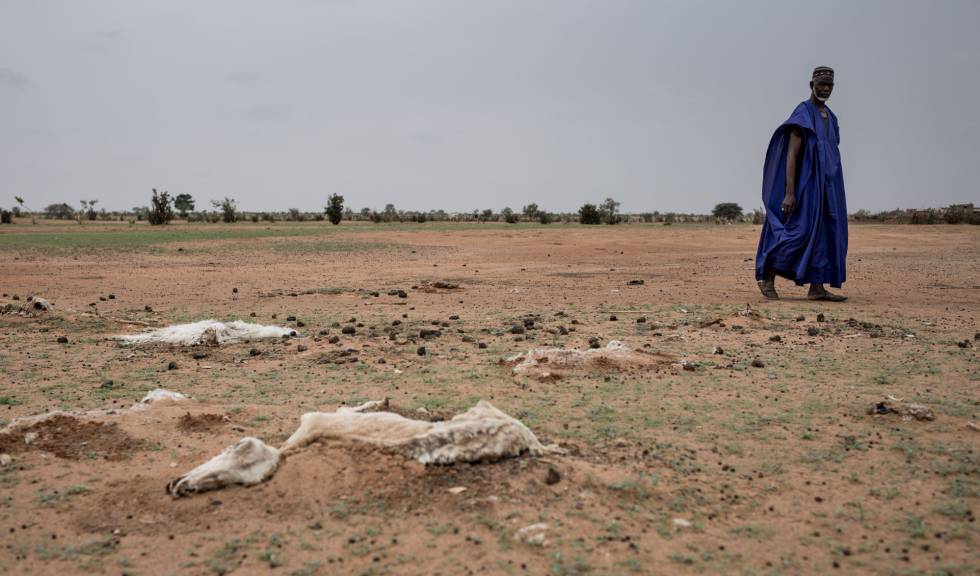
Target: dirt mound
pixel 201 422
pixel 72 439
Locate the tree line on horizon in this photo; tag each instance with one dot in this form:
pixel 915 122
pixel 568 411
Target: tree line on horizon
pixel 164 208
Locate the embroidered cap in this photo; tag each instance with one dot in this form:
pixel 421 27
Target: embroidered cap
pixel 823 74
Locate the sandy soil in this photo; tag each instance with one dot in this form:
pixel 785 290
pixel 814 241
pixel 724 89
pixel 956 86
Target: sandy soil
pixel 745 448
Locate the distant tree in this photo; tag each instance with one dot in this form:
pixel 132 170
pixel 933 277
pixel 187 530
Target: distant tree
pixel 545 217
pixel 161 212
pixel 648 217
pixel 727 211
pixel 228 209
pixel 365 213
pixel 335 208
pixel 508 215
pixel 21 208
pixel 88 209
pixel 377 217
pixel 758 216
pixel 609 210
pixel 293 215
pixel 530 211
pixel 184 203
pixel 59 211
pixel 589 214
pixel 486 215
pixel 6 216
pixel 390 214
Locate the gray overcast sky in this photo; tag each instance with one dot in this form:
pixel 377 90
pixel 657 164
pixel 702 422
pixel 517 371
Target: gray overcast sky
pixel 464 104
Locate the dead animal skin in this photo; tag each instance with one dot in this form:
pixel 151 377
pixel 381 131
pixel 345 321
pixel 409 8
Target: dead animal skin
pixel 906 410
pixel 482 433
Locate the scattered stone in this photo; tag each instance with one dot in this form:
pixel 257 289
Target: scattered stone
pixel 62 339
pixel 553 477
pixel 800 318
pixel 445 285
pixel 482 345
pixel 641 320
pixel 290 318
pixel 234 290
pixel 812 331
pixel 254 352
pixel 334 339
pixel 199 355
pixel 402 294
pixel 468 339
pixel 635 283
pixel 719 350
pixel 594 343
pixel 533 535
pixel 516 329
pixel 427 334
pixel 681 523
pixel 148 308
pixel 112 296
pixel 455 490
pixel 15 297
pixel 6 460
pixel 171 365
pixel 107 385
pixel 758 363
pixel 421 351
pixel 776 338
pixel 965 344
pixel 103 299
pixel 821 317
pixel 300 324
pixel 613 318
pixel 528 322
pixel 252 314
pixel 301 348
pixel 563 331
pixel 454 317
pixel 348 330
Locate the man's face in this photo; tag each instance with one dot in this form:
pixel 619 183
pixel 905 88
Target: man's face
pixel 822 89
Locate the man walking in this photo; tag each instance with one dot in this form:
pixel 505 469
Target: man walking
pixel 804 237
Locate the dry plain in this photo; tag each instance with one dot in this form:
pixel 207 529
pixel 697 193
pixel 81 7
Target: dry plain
pixel 748 450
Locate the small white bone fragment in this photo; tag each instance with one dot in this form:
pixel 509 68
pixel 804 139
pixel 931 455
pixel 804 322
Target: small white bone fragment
pixel 534 535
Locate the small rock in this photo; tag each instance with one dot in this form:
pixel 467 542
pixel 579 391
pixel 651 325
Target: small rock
pixel 402 294
pixel 456 490
pixel 965 344
pixel 613 318
pixel 534 535
pixel 62 339
pixel 594 343
pixel 553 477
pixel 290 318
pixel 15 297
pixel 107 385
pixel 234 290
pixel 641 320
pixel 171 365
pixel 348 330
pixel 800 318
pixel 528 322
pixel 681 523
pixel 719 350
pixel 421 351
pixel 148 308
pixel 252 314
pixel 517 329
pixel 199 356
pixel 635 283
pixel 254 352
pixel 103 299
pixel 334 339
pixel 482 345
pixel 812 331
pixel 821 317
pixel 758 362
pixel 563 331
pixel 776 338
pixel 6 460
pixel 112 296
pixel 300 324
pixel 301 348
pixel 427 334
pixel 454 317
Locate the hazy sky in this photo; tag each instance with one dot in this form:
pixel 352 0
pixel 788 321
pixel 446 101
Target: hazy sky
pixel 464 104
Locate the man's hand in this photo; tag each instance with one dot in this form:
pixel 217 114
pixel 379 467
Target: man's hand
pixel 789 204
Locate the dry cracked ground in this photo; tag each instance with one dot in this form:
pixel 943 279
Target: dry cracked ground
pixel 745 448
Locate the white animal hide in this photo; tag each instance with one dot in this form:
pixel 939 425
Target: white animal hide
pixel 249 461
pixel 568 357
pixel 207 332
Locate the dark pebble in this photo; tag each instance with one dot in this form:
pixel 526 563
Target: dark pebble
pixel 421 351
pixel 62 339
pixel 171 365
pixel 254 352
pixel 553 477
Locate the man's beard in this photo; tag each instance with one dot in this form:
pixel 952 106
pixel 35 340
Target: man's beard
pixel 820 98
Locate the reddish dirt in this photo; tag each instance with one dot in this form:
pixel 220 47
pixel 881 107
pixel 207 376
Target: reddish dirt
pixel 697 463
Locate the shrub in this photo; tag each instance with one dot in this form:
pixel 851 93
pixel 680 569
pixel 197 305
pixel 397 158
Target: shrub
pixel 161 212
pixel 531 211
pixel 545 217
pixel 59 212
pixel 609 211
pixel 589 214
pixel 254 218
pixel 509 216
pixel 228 209
pixel 335 208
pixel 6 217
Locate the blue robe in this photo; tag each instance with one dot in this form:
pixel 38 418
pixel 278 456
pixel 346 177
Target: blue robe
pixel 811 246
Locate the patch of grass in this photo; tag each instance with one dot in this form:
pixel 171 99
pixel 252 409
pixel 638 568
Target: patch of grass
pixel 8 401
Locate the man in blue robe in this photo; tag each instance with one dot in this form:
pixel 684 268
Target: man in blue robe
pixel 804 237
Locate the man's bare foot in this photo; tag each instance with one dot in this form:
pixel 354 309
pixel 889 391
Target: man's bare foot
pixel 768 289
pixel 822 294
